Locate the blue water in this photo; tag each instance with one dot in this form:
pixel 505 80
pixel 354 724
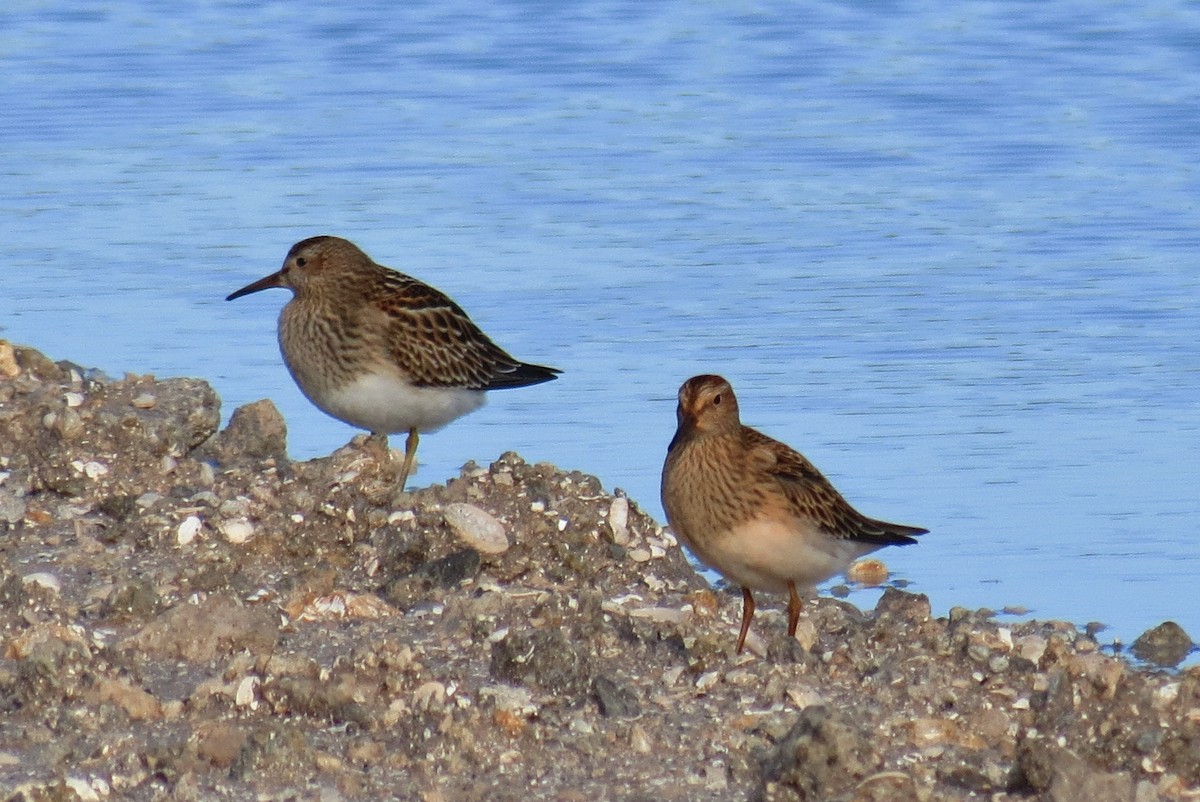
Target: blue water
pixel 946 250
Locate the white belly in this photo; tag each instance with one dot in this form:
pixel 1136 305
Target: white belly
pixel 767 554
pixel 386 405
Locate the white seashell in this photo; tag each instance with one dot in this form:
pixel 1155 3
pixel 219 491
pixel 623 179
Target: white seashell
pixel 1005 636
pixel 639 555
pixel 805 697
pixel 237 530
pixel 401 516
pixel 618 520
pixel 245 695
pixel 43 580
pixel 94 470
pixel 74 399
pixel 188 530
pixel 83 789
pixel 639 741
pixel 477 528
pixel 1164 696
pixel 662 615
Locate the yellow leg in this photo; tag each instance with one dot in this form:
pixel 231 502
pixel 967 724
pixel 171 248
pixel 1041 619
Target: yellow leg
pixel 410 456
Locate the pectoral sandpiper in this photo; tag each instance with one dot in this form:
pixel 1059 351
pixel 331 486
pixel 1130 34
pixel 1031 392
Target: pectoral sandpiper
pixel 381 350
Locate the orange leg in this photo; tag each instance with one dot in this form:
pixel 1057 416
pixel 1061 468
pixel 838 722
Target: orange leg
pixel 747 614
pixel 793 609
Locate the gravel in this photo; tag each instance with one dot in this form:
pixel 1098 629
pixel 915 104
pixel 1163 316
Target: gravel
pixel 185 613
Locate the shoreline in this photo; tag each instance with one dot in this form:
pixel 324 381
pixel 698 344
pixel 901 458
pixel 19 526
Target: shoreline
pixel 184 611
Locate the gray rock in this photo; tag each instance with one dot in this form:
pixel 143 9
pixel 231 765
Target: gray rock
pixel 1045 767
pixel 545 660
pixel 217 626
pixel 823 755
pixel 12 508
pixel 452 569
pixel 1073 780
pixel 255 431
pixel 895 603
pixel 615 700
pixel 1164 645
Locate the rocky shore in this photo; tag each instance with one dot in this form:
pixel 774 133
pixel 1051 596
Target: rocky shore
pixel 187 614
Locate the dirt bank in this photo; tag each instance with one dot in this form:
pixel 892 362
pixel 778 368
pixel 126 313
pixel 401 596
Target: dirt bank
pixel 187 614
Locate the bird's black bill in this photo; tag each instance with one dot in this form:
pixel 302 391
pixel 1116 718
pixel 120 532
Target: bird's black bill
pixel 264 283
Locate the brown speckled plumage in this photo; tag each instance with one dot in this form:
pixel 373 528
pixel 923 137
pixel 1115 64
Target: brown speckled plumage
pixel 381 350
pixel 754 509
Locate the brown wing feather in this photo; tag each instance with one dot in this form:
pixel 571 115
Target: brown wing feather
pixel 437 345
pixel 813 496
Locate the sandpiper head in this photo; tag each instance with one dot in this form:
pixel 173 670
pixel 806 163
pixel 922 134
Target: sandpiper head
pixel 707 404
pixel 308 263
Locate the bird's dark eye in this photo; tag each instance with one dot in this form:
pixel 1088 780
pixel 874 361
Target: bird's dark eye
pixel 301 261
pixel 717 400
